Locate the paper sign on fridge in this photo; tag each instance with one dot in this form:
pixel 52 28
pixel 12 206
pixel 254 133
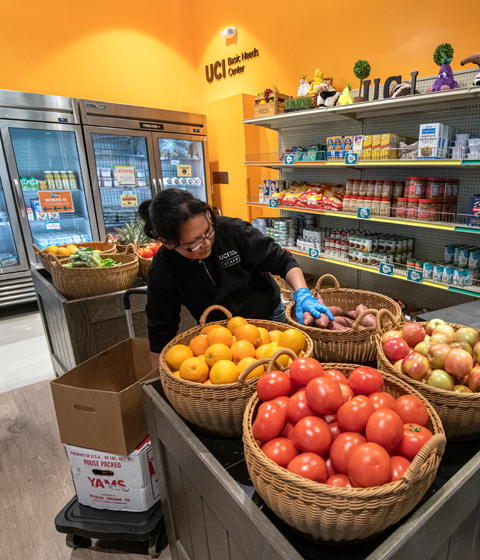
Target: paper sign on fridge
pixel 55 201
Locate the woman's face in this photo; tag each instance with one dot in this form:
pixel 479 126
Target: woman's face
pixel 192 232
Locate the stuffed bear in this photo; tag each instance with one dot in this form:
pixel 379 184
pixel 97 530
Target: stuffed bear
pixel 327 95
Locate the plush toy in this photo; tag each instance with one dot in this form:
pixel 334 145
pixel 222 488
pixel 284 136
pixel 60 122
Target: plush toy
pixel 443 56
pixel 473 59
pixel 399 90
pixel 346 97
pixel 317 80
pixel 327 95
pixel 304 87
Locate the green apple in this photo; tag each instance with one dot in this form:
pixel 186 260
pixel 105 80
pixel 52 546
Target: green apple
pixel 446 329
pixel 422 347
pixel 432 324
pixel 440 379
pixel 466 334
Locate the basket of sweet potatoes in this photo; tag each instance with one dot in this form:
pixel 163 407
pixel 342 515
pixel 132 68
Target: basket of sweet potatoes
pixel 350 337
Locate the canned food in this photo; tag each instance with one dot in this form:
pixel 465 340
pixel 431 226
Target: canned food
pixel 467 279
pixel 404 258
pixel 350 256
pixel 390 245
pixel 457 278
pixel 366 259
pixel 419 265
pixel 437 272
pixel 428 270
pixel 411 263
pixel 351 242
pixel 474 259
pixel 375 244
pixel 382 258
pixel 390 258
pixel 447 277
pixel 381 244
pixel 367 245
pixel 463 257
pixel 449 253
pixel 397 259
pixel 456 255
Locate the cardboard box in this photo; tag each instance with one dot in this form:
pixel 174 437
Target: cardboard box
pixel 376 144
pixel 367 146
pixel 474 211
pixel 388 144
pixel 99 403
pixel 358 146
pixel 115 482
pixel 431 142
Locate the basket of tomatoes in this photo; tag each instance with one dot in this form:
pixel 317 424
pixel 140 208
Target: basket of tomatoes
pixel 210 372
pixel 340 452
pixel 145 255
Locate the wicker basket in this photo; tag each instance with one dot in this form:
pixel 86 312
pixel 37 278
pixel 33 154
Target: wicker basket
pixel 106 247
pixel 75 283
pixel 143 264
pixel 122 248
pixel 459 412
pixel 285 288
pixel 343 514
pixel 216 409
pixel 354 345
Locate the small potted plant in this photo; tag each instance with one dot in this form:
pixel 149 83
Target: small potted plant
pixel 361 70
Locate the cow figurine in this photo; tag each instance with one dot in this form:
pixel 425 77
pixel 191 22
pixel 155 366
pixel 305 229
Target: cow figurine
pixel 473 59
pixel 327 95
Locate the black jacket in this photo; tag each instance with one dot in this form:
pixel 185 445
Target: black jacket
pixel 235 275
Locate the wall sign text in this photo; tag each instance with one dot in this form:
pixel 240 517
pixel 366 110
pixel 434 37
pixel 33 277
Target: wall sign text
pixel 218 69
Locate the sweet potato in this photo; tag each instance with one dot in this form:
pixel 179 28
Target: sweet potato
pixel 308 319
pixel 336 311
pixel 322 322
pixel 320 299
pixel 337 327
pixel 351 315
pixel 369 321
pixel 340 321
pixel 360 309
pixel 349 322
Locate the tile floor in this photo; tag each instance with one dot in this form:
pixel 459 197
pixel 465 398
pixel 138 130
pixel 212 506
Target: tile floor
pixel 24 354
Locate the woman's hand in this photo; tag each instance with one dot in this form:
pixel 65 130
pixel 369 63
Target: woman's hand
pixel 305 302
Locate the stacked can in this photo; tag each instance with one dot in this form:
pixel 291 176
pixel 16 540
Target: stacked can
pixel 460 267
pixel 312 238
pixel 371 249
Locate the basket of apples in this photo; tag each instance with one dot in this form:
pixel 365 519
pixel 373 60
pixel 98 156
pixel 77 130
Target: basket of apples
pixel 340 452
pixel 442 362
pixel 145 256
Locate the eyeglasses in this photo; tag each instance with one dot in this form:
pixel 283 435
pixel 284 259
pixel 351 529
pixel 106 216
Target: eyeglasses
pixel 196 247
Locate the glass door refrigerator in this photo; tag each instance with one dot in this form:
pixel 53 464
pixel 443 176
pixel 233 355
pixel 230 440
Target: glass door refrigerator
pixel 47 164
pixel 124 145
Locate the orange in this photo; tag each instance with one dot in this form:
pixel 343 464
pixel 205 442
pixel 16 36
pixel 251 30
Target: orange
pixel 202 356
pixel 220 335
pixel 224 371
pixel 199 345
pixel 250 333
pixel 72 247
pixel 176 373
pixel 209 328
pixel 217 352
pixel 270 351
pixel 275 335
pixel 260 350
pixel 63 252
pixel 242 349
pixel 176 355
pixel 257 372
pixel 234 323
pixel 264 336
pixel 51 249
pixel 194 369
pixel 207 382
pixel 292 339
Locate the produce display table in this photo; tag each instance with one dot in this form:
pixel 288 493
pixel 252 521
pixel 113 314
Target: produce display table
pixel 212 511
pixel 467 314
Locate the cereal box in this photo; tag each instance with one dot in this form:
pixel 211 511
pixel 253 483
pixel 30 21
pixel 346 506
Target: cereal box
pixel 367 146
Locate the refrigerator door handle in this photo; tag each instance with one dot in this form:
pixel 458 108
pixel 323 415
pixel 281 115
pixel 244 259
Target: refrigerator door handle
pixel 20 202
pixel 154 185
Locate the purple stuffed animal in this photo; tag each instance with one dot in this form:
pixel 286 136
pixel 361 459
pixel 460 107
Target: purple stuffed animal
pixel 443 56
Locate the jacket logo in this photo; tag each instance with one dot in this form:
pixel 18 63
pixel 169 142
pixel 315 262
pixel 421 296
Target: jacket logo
pixel 229 258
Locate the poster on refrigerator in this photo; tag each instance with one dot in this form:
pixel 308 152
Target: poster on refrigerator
pixel 184 170
pixel 128 200
pixel 126 176
pixel 55 201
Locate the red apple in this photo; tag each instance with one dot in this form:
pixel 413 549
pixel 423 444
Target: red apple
pixel 459 380
pixel 391 334
pixel 398 365
pixel 476 352
pixel 466 334
pixel 395 349
pixel 413 333
pixel 474 379
pixel 440 379
pixel 445 329
pixel 415 365
pixel 434 323
pixel 458 362
pixel 462 389
pixel 436 355
pixel 462 346
pixel 422 347
pixel 440 337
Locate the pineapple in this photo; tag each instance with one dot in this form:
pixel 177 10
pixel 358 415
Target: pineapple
pixel 132 232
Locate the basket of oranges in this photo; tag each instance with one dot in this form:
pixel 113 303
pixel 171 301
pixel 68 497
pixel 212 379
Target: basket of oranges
pixel 210 372
pixel 62 252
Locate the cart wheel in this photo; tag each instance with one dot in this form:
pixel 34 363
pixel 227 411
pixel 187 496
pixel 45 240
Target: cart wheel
pixel 156 544
pixel 75 541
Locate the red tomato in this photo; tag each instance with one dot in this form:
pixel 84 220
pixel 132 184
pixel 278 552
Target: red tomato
pixel 269 422
pixel 339 481
pixel 382 400
pixel 414 438
pixel 342 448
pixel 335 375
pixel 312 434
pixel 385 427
pixel 280 451
pixel 411 409
pixel 328 461
pixel 273 384
pixel 283 404
pixel 146 253
pixel 369 465
pixel 399 466
pixel 153 247
pixel 287 430
pixel 303 370
pixel 365 380
pixel 259 443
pixel 335 430
pixel 323 395
pixel 298 407
pixel 353 415
pixel 347 392
pixel 329 418
pixel 309 465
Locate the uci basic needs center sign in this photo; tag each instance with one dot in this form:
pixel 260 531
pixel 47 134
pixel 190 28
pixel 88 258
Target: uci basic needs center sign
pixel 218 69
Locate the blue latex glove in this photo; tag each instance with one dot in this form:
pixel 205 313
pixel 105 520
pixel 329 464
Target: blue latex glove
pixel 304 301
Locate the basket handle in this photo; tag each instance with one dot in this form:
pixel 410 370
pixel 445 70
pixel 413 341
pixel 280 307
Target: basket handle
pixel 36 249
pixel 438 442
pixel 130 249
pixel 53 259
pixel 278 353
pixel 363 314
pixel 322 278
pixel 109 238
pixel 206 313
pixel 382 313
pixel 270 361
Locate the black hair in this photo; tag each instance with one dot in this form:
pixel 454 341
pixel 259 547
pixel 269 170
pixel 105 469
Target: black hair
pixel 168 211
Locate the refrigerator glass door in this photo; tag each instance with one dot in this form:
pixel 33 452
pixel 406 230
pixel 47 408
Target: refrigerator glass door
pixel 123 163
pixel 51 184
pixel 182 164
pixel 9 253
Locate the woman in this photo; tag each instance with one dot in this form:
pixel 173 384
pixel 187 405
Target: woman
pixel 206 260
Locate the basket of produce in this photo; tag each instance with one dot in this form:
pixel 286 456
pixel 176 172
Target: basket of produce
pixel 338 467
pixel 88 274
pixel 145 256
pixel 350 337
pixel 442 362
pixel 131 233
pixel 200 368
pixel 62 252
pixel 285 288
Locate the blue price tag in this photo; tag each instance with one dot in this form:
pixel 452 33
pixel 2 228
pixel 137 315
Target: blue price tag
pixel 386 269
pixel 363 213
pixel 289 159
pixel 414 275
pixel 49 226
pixel 314 253
pixel 273 203
pixel 351 159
